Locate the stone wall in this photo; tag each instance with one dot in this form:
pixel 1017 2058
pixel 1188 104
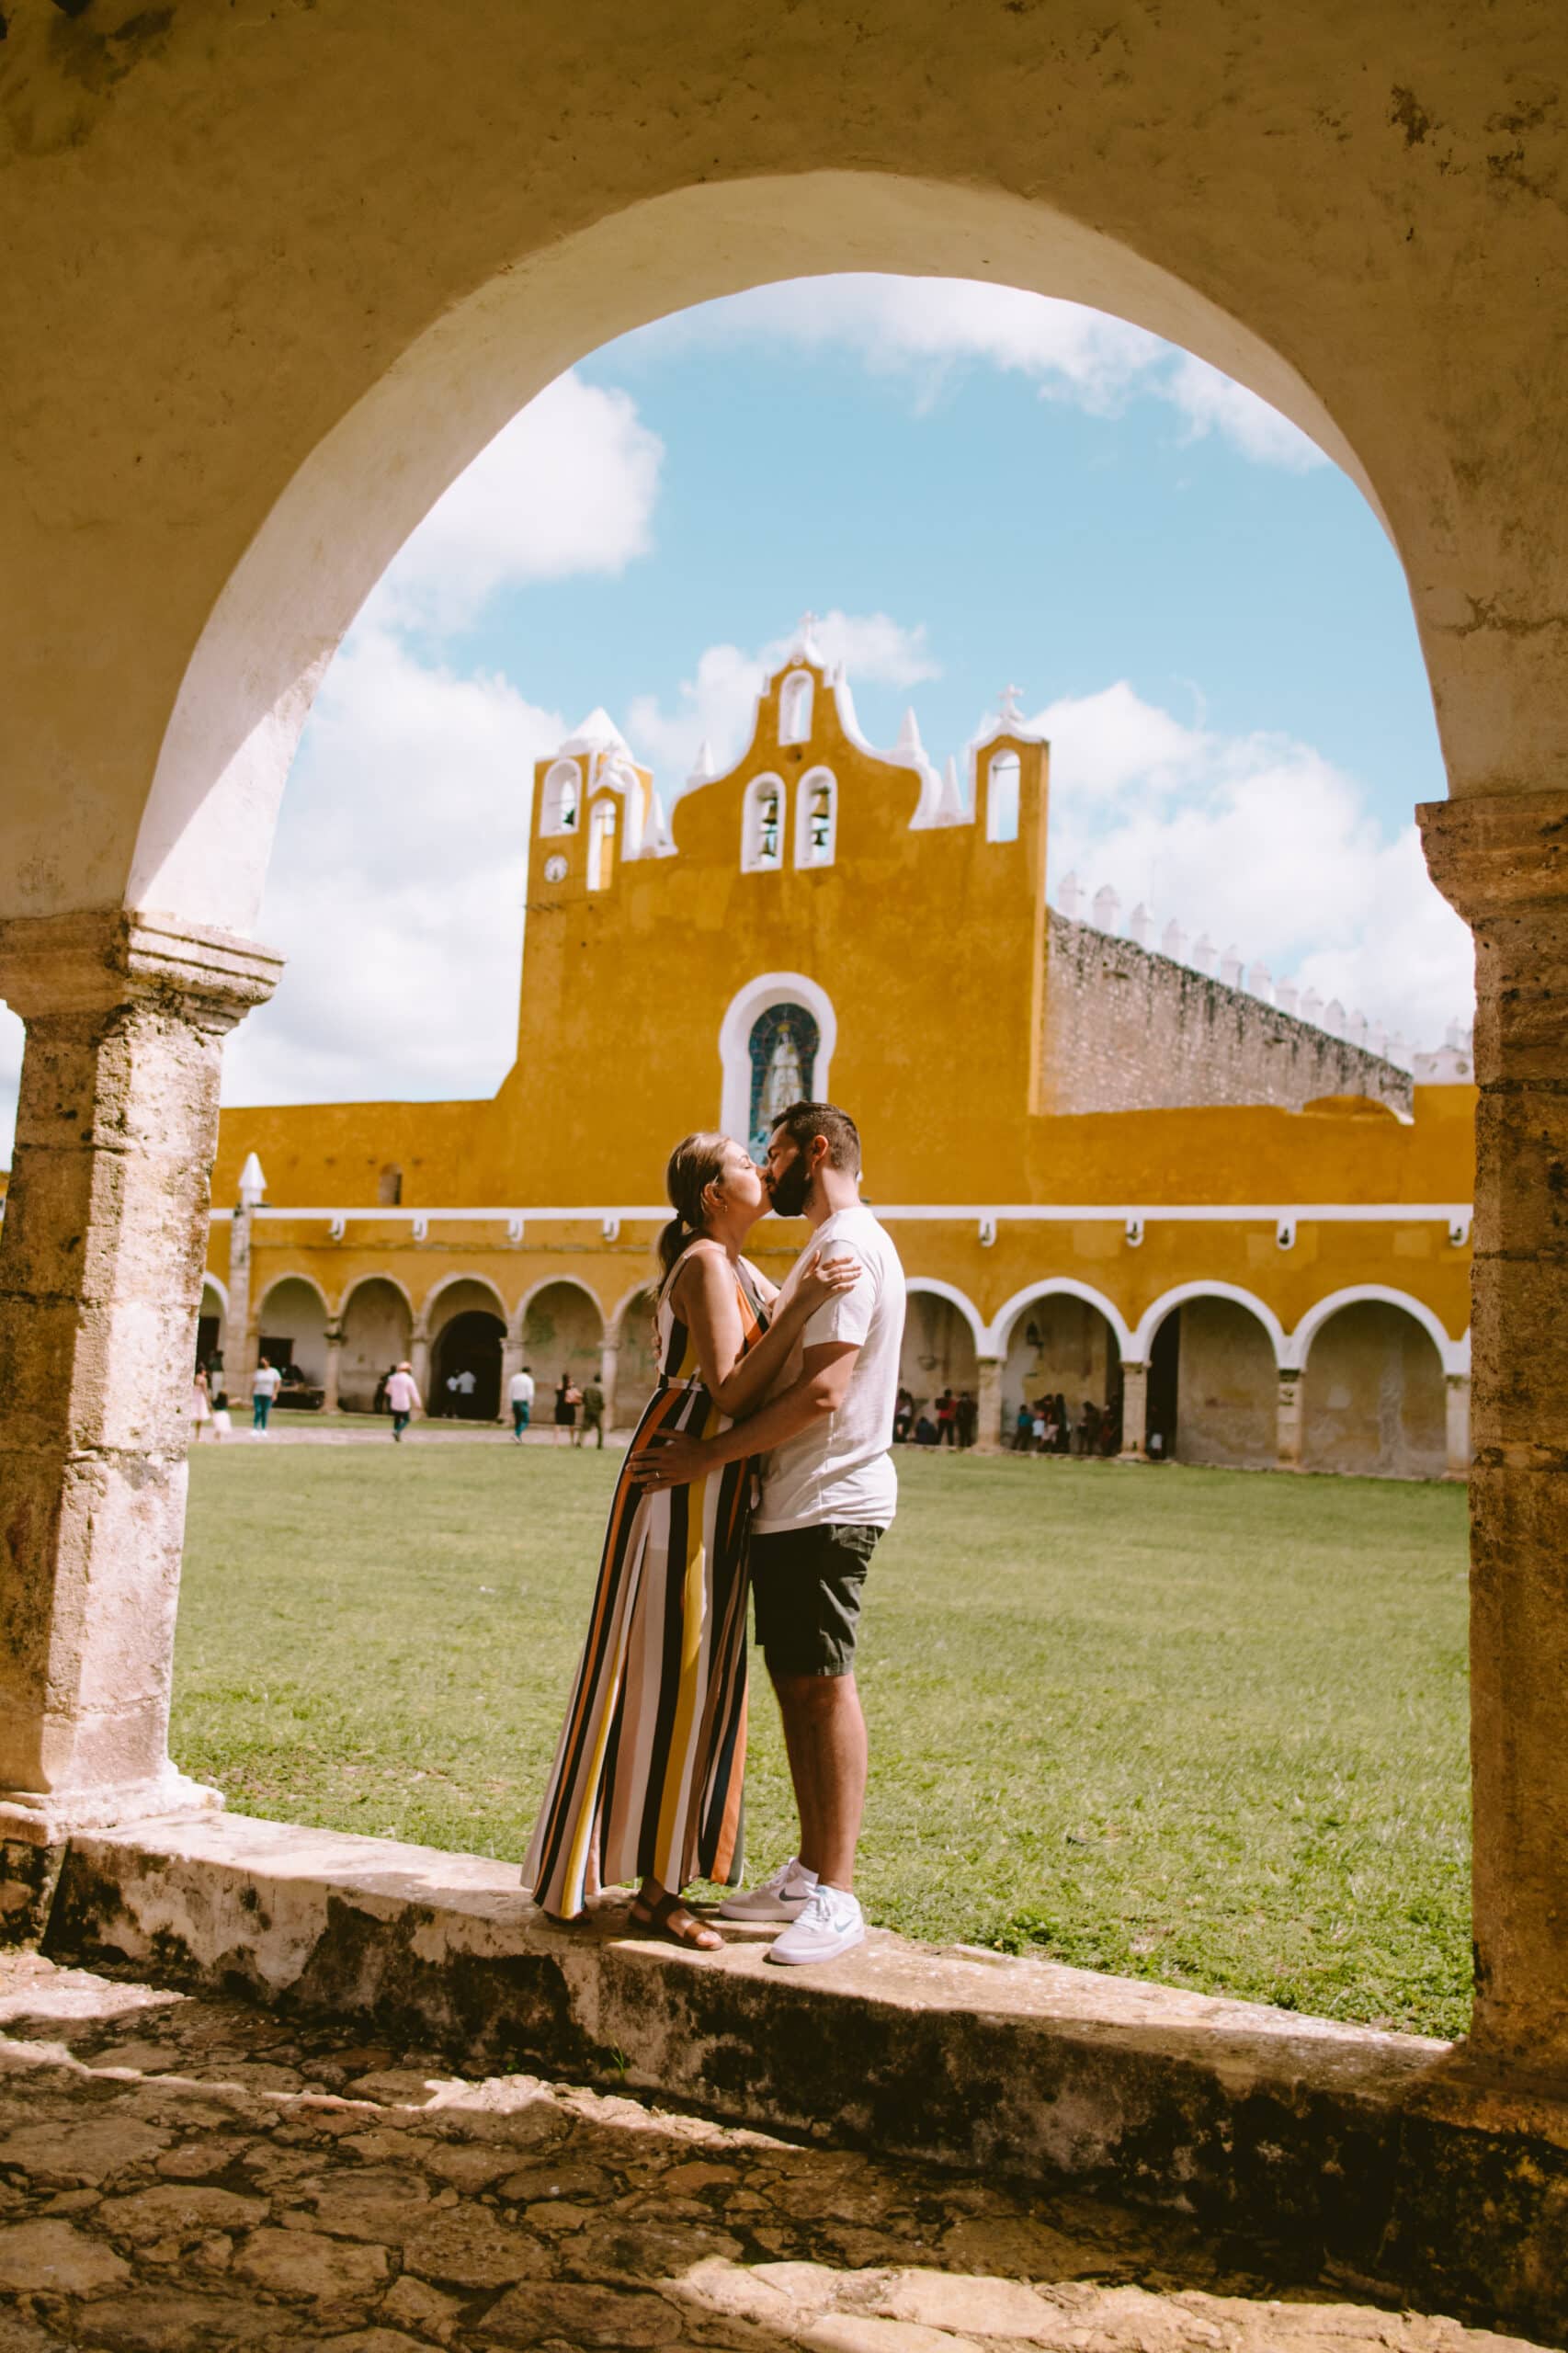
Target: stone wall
pixel 1130 1030
pixel 1227 1388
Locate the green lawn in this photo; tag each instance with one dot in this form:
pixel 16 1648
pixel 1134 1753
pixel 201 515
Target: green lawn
pixel 1201 1726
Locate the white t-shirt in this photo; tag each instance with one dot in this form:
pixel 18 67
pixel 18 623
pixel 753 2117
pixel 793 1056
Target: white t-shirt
pixel 839 1469
pixel 402 1394
pixel 266 1381
pixel 522 1389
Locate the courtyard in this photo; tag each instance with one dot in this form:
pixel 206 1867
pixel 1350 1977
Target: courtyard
pixel 1203 1727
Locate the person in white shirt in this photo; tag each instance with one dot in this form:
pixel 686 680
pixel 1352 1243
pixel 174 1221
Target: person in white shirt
pixel 403 1399
pixel 829 1489
pixel 522 1397
pixel 266 1382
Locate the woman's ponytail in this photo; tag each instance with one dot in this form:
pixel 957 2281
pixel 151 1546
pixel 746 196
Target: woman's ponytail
pixel 696 1162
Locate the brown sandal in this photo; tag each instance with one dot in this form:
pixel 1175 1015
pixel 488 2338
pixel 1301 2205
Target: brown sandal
pixel 697 1936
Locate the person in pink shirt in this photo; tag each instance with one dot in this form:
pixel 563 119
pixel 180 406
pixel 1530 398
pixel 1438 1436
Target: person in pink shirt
pixel 404 1400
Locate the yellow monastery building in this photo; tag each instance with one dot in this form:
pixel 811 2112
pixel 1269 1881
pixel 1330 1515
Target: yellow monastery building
pixel 1109 1174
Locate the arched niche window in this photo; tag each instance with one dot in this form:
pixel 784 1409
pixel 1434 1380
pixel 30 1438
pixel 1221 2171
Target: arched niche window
pixel 762 828
pixel 783 1048
pixel 816 818
pixel 795 708
pixel 601 845
pixel 562 798
pixel 1002 773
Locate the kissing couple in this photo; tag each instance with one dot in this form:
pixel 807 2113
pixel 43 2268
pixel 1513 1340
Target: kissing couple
pixel 761 1463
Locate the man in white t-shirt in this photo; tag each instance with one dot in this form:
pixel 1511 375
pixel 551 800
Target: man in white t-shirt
pixel 522 1402
pixel 828 1491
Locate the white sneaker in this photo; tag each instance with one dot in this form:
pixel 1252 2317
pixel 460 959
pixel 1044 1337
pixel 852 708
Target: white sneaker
pixel 827 1925
pixel 782 1897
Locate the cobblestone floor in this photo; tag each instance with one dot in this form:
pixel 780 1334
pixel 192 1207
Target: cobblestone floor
pixel 185 2175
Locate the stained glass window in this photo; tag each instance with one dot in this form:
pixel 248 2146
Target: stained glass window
pixel 784 1043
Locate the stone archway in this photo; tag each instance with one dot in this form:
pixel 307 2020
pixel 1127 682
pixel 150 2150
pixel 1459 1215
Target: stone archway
pixel 467 1333
pixel 1373 1398
pixel 291 1323
pixel 237 524
pixel 939 1351
pixel 376 1324
pixel 636 1357
pixel 1213 1387
pixel 563 1332
pixel 1063 1345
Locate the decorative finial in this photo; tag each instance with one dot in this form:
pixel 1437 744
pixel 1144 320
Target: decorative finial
pixel 804 637
pixel 1010 714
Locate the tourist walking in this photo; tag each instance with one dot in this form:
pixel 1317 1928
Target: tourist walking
pixel 829 1489
pixel 567 1399
pixel 403 1399
pixel 521 1398
pixel 649 1770
pixel 947 1417
pixel 201 1404
pixel 265 1383
pixel 593 1411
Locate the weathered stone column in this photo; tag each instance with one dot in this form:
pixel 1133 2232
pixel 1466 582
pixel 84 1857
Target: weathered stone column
pixel 1134 1410
pixel 988 1399
pixel 1503 863
pixel 334 1368
pixel 609 1374
pixel 1458 1433
pixel 511 1364
pixel 101 1264
pixel 420 1361
pixel 239 1338
pixel 1287 1421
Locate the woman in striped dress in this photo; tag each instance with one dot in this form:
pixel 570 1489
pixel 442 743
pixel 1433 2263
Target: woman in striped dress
pixel 649 1770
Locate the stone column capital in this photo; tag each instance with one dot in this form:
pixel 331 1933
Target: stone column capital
pixel 91 961
pixel 1498 855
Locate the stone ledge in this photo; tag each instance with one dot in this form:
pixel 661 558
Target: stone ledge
pixel 1374 2152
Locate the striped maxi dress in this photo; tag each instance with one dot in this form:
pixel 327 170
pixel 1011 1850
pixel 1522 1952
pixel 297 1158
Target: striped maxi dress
pixel 650 1770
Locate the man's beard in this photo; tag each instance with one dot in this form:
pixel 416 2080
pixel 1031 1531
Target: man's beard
pixel 789 1191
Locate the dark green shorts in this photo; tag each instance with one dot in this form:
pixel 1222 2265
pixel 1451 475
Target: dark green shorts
pixel 807 1585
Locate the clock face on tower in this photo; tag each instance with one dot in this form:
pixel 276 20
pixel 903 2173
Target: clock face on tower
pixel 555 869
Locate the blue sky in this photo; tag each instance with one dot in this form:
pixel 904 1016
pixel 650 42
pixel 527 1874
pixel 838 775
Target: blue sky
pixel 976 487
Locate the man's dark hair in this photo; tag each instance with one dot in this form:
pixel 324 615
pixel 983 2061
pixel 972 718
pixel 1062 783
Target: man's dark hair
pixel 801 1121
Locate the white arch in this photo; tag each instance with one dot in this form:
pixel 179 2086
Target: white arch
pixel 345 1296
pixel 212 1282
pixel 1000 1329
pixel 735 1042
pixel 563 793
pixel 1454 1354
pixel 1153 1317
pixel 955 1298
pixel 805 793
pixel 757 793
pixel 447 1283
pixel 278 1280
pixel 797 694
pixel 551 1282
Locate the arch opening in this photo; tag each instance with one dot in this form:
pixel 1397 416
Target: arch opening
pixel 1063 1368
pixel 563 1334
pixel 334 524
pixel 292 1326
pixel 377 1324
pixel 465 1366
pixel 1373 1395
pixel 1213 1386
pixel 939 1372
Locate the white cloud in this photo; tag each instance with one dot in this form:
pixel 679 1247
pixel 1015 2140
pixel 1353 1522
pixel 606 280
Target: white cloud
pixel 717 703
pixel 397 891
pixel 1261 842
pixel 930 327
pixel 568 487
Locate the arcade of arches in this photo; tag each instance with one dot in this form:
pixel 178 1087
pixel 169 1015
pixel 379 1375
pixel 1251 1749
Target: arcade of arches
pixel 186 554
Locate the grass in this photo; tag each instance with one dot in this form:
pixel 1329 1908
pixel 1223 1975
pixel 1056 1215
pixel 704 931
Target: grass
pixel 1201 1726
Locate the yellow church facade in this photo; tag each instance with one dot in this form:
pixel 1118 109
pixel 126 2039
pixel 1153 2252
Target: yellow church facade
pixel 1112 1175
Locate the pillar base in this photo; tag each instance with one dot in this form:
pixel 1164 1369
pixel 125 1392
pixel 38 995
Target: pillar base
pixel 32 1818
